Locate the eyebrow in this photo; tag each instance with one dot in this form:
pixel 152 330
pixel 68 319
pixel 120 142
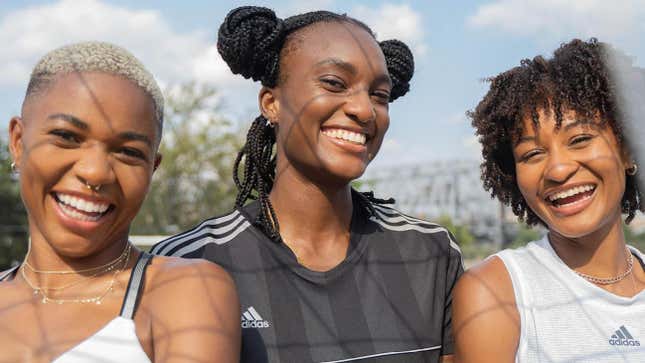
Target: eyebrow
pixel 339 63
pixel 348 67
pixel 524 139
pixel 76 122
pixel 133 136
pixel 568 127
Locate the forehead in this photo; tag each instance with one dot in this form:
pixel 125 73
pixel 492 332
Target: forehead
pixel 547 124
pixel 100 99
pixel 339 39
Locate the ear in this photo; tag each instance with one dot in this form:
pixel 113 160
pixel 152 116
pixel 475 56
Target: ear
pixel 158 158
pixel 16 131
pixel 269 104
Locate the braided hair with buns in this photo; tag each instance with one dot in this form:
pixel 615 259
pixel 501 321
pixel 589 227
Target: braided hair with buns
pixel 252 40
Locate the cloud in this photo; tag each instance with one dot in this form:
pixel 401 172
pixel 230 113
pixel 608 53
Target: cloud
pixel 394 21
pixel 563 18
pixel 171 56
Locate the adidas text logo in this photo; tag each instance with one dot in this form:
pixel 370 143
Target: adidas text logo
pixel 251 319
pixel 623 337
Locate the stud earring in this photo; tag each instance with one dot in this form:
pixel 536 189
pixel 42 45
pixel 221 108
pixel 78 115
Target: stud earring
pixel 632 170
pixel 14 168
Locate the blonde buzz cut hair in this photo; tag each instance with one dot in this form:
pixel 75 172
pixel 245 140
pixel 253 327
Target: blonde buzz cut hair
pixel 95 56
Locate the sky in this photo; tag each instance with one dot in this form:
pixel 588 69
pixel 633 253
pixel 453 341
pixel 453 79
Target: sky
pixel 457 44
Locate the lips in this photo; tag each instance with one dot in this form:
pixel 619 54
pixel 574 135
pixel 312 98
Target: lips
pixel 571 195
pixel 357 138
pixel 81 209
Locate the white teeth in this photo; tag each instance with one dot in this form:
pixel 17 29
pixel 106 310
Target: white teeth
pixel 346 135
pixel 82 204
pixel 77 215
pixel 570 192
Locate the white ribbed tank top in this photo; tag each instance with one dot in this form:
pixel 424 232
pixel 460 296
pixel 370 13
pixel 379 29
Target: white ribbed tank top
pixel 565 318
pixel 117 341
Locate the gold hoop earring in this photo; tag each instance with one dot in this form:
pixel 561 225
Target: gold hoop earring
pixel 632 170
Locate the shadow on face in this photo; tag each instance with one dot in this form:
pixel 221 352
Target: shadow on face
pixel 86 148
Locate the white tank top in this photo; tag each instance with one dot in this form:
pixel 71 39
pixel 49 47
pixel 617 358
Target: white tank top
pixel 565 318
pixel 117 341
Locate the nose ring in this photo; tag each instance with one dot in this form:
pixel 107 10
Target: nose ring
pixel 95 188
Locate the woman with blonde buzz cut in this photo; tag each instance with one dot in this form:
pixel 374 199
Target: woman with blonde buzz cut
pixel 85 148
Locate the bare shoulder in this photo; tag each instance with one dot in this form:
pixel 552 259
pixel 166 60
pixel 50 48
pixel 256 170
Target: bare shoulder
pixel 485 317
pixel 163 267
pixel 194 310
pixel 193 277
pixel 488 278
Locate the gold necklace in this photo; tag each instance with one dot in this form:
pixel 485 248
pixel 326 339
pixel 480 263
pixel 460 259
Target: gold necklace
pixel 67 272
pixel 106 269
pixel 614 279
pixel 95 299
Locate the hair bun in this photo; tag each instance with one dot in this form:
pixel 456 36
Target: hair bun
pixel 249 40
pixel 400 65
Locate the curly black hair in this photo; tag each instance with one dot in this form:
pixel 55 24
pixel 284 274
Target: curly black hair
pixel 576 78
pixel 253 41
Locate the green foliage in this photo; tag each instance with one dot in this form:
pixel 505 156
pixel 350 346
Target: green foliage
pixel 463 235
pixel 194 180
pixel 635 239
pixel 13 219
pixel 523 235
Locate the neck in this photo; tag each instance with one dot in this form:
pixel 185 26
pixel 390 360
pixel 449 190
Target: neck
pixel 601 253
pixel 70 257
pixel 314 219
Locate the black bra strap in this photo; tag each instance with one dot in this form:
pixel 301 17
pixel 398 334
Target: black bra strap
pixel 134 285
pixel 8 273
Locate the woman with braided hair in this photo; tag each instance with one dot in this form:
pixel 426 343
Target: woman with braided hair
pixel 324 273
pixel 554 150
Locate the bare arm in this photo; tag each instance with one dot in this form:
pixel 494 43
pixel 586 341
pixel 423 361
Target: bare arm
pixel 196 316
pixel 485 318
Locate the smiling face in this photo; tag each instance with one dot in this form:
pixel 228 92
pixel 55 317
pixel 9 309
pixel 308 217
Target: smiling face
pixel 573 178
pixel 331 104
pixel 85 128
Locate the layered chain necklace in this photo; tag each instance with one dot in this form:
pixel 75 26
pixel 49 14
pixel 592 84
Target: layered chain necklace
pixel 117 265
pixel 614 279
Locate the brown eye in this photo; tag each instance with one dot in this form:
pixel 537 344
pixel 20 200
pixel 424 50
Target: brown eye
pixel 65 136
pixel 580 139
pixel 133 153
pixel 381 96
pixel 333 84
pixel 531 154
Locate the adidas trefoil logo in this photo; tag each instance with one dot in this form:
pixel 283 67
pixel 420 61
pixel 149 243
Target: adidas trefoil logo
pixel 623 337
pixel 251 319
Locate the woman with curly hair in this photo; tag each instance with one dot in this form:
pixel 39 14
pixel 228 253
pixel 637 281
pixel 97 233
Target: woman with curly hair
pixel 554 150
pixel 324 273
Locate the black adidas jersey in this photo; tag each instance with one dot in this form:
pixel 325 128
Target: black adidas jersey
pixel 388 301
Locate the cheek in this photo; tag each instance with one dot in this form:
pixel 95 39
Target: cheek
pixel 134 183
pixel 382 125
pixel 528 180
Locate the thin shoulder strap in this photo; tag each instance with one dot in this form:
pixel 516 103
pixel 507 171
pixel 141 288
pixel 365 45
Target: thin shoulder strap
pixel 134 285
pixel 5 274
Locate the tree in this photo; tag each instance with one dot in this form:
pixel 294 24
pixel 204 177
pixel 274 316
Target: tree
pixel 461 232
pixel 13 218
pixel 194 180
